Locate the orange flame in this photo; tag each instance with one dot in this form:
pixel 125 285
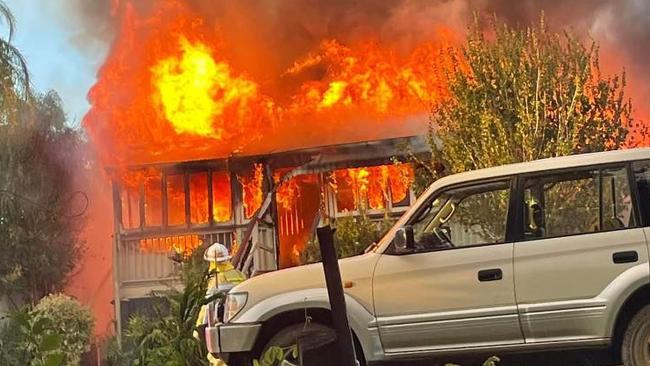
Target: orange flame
pixel 289 192
pixel 373 78
pixel 298 203
pixel 166 92
pixel 194 91
pixel 183 244
pixel 252 190
pixel 401 179
pixel 150 182
pixel 372 187
pixel 222 205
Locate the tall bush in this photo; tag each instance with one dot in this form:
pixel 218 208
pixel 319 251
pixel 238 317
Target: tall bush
pixel 23 342
pixel 73 321
pixel 525 94
pixel 352 236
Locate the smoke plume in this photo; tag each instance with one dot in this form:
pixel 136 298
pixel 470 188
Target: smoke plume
pixel 269 35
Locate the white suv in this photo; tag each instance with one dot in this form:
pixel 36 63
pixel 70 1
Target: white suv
pixel 549 254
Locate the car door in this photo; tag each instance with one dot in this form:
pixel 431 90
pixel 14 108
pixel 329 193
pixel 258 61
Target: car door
pixel 579 233
pixel 456 288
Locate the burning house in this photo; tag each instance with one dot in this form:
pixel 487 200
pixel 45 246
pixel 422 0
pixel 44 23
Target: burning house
pixel 210 143
pixel 167 210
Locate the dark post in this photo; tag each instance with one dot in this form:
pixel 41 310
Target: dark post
pixel 344 343
pixel 271 189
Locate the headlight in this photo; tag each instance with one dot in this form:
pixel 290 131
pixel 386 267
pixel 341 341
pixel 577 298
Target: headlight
pixel 234 304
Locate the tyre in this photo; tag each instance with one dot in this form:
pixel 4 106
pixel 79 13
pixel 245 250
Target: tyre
pixel 238 359
pixel 635 350
pixel 288 337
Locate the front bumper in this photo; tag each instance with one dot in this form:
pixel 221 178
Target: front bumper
pixel 231 338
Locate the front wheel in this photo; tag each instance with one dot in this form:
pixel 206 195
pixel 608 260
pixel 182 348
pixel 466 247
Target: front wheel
pixel 636 340
pixel 287 341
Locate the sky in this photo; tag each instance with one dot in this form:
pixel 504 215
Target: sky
pixel 48 43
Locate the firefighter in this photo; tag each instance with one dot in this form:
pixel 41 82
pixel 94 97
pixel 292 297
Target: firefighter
pixel 223 277
pixel 226 274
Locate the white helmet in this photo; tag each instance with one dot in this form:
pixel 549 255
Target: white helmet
pixel 217 252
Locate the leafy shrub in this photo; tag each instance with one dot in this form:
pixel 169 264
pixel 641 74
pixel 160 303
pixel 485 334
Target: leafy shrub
pixel 114 354
pixel 275 356
pixel 25 340
pixel 166 337
pixel 73 321
pixel 352 236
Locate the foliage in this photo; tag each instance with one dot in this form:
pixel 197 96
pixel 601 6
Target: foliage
pixel 352 236
pixel 275 355
pixel 525 94
pixel 27 340
pixel 519 95
pixel 39 241
pixel 14 87
pixel 166 337
pixel 39 236
pixel 38 231
pixel 115 356
pixel 73 321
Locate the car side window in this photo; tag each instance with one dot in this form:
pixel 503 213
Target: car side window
pixel 462 217
pixel 577 203
pixel 642 177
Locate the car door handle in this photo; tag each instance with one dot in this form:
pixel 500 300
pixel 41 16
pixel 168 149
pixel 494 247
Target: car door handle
pixel 625 257
pixel 494 274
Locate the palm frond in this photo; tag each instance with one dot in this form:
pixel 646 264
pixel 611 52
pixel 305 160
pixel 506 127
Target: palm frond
pixel 11 55
pixel 21 65
pixel 8 16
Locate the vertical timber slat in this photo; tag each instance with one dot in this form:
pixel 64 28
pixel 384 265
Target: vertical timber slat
pixel 186 188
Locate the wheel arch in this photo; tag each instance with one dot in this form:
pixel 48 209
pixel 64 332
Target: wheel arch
pixel 291 306
pixel 271 326
pixel 633 303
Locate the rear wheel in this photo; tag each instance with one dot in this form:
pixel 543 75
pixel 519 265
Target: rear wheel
pixel 636 340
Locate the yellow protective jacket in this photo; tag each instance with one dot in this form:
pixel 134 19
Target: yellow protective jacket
pixel 226 274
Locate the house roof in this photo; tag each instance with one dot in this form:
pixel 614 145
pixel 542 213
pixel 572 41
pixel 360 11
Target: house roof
pixel 300 136
pixel 293 139
pixel 317 158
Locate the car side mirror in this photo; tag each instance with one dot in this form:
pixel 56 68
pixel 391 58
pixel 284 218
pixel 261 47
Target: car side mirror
pixel 404 238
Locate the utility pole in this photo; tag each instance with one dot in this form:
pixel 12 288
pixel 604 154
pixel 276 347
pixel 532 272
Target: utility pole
pixel 344 343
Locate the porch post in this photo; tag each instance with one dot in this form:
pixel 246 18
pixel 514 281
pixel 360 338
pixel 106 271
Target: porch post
pixel 274 212
pixel 117 221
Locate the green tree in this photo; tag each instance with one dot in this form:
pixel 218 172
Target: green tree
pixel 525 94
pixel 39 223
pixel 41 155
pixel 352 236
